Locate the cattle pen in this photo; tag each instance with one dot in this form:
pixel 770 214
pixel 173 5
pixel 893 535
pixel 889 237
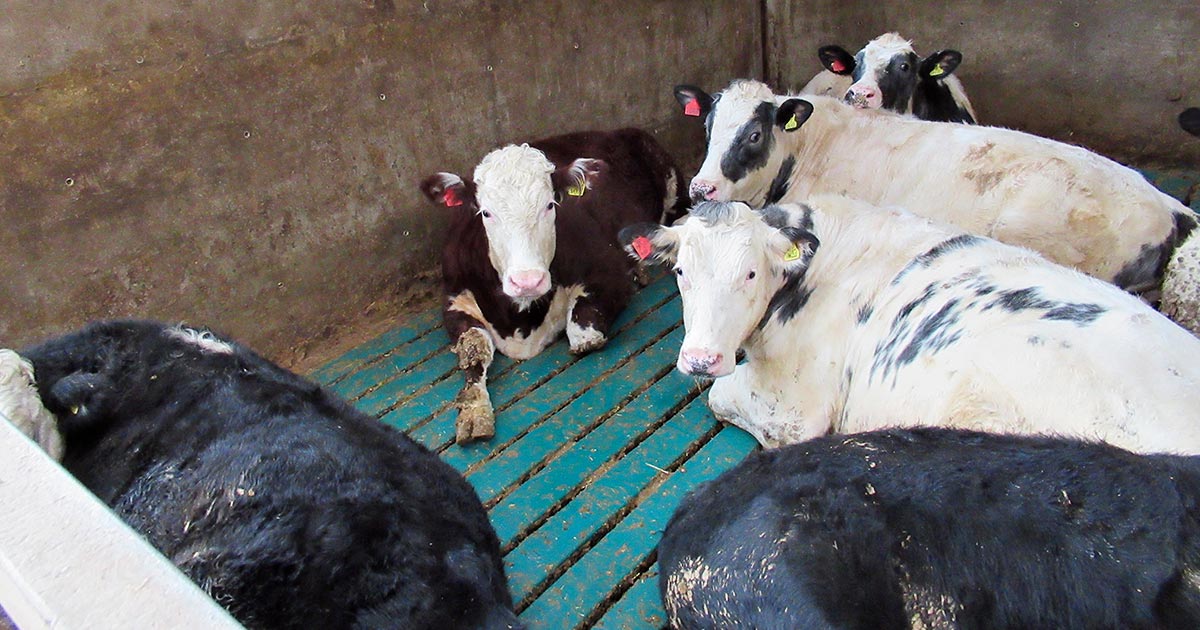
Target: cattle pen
pixel 255 167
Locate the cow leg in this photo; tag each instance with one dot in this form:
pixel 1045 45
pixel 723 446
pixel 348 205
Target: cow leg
pixel 476 419
pixel 759 409
pixel 588 322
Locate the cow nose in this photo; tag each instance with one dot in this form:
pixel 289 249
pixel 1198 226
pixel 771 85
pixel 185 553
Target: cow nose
pixel 698 362
pixel 528 283
pixel 861 97
pixel 702 191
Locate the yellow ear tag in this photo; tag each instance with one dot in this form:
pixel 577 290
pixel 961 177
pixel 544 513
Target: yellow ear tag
pixel 578 189
pixel 792 254
pixel 937 71
pixel 791 124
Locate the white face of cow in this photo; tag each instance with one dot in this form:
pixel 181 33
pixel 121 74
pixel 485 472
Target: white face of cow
pixel 517 205
pixel 744 123
pixel 885 75
pixel 729 264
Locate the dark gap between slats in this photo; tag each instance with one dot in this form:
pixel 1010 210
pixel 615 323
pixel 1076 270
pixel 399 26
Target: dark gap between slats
pixel 620 589
pixel 600 471
pixel 615 519
pixel 500 448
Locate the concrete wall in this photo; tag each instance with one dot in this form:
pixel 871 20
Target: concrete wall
pixel 252 165
pixel 1107 74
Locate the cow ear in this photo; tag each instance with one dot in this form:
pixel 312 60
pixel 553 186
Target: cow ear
pixel 836 60
pixel 793 248
pixel 649 242
pixel 940 64
pixel 793 113
pixel 79 400
pixel 695 102
pixel 577 177
pixel 448 189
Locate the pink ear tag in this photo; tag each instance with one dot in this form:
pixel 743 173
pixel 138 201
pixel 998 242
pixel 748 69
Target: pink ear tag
pixel 838 66
pixel 692 108
pixel 451 198
pixel 642 247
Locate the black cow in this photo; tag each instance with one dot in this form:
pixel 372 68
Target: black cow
pixel 1189 120
pixel 930 528
pixel 532 248
pixel 284 503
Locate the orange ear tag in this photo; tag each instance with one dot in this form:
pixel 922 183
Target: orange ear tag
pixel 451 198
pixel 792 254
pixel 692 108
pixel 838 66
pixel 642 247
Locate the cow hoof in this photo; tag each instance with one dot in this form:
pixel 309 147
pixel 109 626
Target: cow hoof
pixel 584 340
pixel 476 420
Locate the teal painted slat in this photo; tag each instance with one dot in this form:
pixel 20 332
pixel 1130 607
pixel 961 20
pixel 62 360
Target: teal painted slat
pixel 399 360
pixel 436 367
pixel 433 401
pixel 414 326
pixel 639 607
pixel 560 537
pixel 1171 181
pixel 550 485
pixel 570 600
pixel 576 377
pixel 565 425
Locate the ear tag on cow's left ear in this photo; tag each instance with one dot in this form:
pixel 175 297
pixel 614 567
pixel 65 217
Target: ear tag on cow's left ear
pixel 577 190
pixel 692 108
pixel 451 198
pixel 642 247
pixel 792 254
pixel 791 124
pixel 937 71
pixel 838 66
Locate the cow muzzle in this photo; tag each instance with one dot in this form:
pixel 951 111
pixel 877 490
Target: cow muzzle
pixel 702 191
pixel 699 362
pixel 531 283
pixel 864 97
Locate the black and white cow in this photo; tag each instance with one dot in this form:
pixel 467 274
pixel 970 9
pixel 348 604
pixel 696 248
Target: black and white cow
pixel 1073 206
pixel 935 528
pixel 888 74
pixel 1181 282
pixel 854 317
pixel 284 503
pixel 532 248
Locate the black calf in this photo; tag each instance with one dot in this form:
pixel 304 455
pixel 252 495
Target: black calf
pixel 935 528
pixel 288 506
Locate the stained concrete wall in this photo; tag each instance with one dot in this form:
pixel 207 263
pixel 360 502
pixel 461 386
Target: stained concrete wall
pixel 252 165
pixel 1107 74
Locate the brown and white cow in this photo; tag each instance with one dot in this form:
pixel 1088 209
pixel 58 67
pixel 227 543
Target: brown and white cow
pixel 1071 205
pixel 532 248
pixel 888 74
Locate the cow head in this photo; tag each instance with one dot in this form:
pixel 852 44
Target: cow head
pixel 730 263
pixel 742 124
pixel 885 75
pixel 516 194
pixel 1189 120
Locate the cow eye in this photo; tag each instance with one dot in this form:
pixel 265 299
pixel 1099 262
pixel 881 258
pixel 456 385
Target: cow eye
pixel 755 136
pixel 904 67
pixel 486 214
pixel 549 206
pixel 679 272
pixel 750 276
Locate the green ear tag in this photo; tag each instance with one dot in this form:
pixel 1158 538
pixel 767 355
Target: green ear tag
pixel 791 124
pixel 937 71
pixel 792 254
pixel 577 189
